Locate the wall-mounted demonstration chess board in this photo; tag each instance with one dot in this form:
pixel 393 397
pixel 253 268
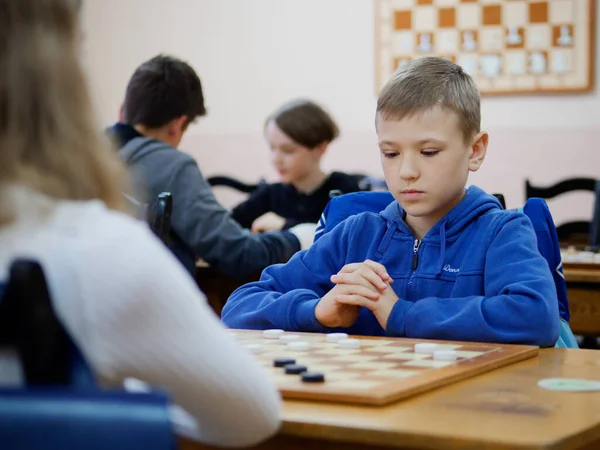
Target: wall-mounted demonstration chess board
pixel 507 46
pixel 378 371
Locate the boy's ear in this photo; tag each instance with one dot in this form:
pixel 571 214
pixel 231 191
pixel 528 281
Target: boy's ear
pixel 121 113
pixel 478 151
pixel 320 149
pixel 177 126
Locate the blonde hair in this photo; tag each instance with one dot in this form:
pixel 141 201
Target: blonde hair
pixel 49 139
pixel 428 82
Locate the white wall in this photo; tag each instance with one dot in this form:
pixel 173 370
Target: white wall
pixel 254 54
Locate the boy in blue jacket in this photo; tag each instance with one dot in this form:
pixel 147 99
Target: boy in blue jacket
pixel 441 262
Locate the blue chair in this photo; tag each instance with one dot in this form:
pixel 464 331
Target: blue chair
pixel 52 400
pixel 343 206
pixel 548 245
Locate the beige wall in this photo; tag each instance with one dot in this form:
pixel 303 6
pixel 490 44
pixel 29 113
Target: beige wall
pixel 254 54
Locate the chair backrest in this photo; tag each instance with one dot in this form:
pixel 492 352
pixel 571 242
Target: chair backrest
pixel 548 245
pixel 365 183
pixel 594 239
pixel 42 419
pixel 573 231
pixel 500 198
pixel 30 328
pixel 233 183
pixel 561 187
pixel 158 216
pixel 344 206
pixel 56 403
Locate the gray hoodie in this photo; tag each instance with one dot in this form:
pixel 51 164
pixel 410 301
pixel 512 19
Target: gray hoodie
pixel 201 227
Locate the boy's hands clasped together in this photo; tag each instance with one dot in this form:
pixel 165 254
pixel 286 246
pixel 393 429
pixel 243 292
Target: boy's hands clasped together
pixel 358 284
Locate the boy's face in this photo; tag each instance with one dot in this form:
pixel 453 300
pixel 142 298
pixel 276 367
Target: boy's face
pixel 426 162
pixel 293 161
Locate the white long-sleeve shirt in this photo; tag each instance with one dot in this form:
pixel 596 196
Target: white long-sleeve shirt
pixel 135 313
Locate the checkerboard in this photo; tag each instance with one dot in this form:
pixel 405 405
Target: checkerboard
pixel 507 46
pixel 381 371
pixel 575 258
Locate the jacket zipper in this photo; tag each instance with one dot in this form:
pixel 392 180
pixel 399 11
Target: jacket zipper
pixel 414 265
pixel 415 257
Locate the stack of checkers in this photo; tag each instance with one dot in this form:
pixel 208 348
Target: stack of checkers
pixel 294 342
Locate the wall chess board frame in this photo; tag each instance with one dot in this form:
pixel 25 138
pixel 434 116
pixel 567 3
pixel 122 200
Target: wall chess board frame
pixel 507 46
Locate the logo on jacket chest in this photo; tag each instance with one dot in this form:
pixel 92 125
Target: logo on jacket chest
pixel 449 268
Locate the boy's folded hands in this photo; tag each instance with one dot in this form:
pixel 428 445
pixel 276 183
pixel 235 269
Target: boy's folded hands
pixel 356 285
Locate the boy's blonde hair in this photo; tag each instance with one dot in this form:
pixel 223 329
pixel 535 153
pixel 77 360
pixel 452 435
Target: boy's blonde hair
pixel 427 82
pixel 49 140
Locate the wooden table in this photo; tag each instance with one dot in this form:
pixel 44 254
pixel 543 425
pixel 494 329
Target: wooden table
pixel 583 289
pixel 500 410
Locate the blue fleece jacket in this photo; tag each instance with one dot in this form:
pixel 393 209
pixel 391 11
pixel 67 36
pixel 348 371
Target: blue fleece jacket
pixel 476 276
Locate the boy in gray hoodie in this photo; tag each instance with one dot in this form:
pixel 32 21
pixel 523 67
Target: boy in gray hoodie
pixel 163 97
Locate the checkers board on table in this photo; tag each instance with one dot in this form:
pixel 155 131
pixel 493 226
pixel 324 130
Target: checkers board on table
pixel 376 371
